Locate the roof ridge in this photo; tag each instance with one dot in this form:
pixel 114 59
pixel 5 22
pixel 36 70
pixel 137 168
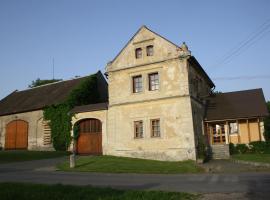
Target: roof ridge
pixel 71 79
pixel 237 91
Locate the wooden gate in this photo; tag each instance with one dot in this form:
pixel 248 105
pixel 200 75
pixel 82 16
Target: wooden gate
pixel 90 137
pixel 16 135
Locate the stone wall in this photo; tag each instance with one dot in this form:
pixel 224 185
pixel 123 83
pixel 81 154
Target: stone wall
pixel 35 129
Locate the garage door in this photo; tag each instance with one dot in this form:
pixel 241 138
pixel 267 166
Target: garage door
pixel 90 137
pixel 16 135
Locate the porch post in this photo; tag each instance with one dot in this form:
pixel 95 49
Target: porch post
pixel 259 127
pixel 239 137
pixel 227 133
pixel 248 130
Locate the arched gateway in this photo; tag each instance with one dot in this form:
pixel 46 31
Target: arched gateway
pixel 90 137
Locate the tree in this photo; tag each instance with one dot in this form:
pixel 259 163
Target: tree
pixel 39 82
pixel 267 124
pixel 217 92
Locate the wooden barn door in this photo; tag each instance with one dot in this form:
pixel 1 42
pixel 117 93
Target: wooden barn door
pixel 16 135
pixel 90 137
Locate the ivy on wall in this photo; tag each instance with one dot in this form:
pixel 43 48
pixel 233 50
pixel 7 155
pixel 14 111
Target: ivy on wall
pixel 59 116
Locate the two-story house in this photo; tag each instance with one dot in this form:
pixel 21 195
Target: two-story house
pixel 155 107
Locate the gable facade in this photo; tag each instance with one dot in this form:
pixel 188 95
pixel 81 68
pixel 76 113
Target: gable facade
pixel 133 116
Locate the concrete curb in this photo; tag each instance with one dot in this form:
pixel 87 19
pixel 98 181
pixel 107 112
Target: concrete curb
pixel 256 164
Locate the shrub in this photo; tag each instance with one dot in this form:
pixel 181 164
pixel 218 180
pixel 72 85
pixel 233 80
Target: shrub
pixel 201 148
pixel 258 147
pixel 232 149
pixel 241 148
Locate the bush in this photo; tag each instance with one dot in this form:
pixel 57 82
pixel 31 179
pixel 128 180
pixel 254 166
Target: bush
pixel 258 147
pixel 232 149
pixel 241 148
pixel 201 148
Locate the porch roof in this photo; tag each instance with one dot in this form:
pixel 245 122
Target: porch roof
pixel 236 105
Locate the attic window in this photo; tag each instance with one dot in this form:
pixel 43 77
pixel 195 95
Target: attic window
pixel 150 50
pixel 138 53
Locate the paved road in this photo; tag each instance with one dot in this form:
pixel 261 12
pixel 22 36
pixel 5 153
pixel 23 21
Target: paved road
pixel 255 185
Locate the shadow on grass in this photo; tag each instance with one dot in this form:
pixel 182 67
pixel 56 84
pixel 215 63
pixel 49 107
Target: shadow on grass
pixel 28 191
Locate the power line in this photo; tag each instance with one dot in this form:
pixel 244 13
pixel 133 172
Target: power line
pixel 259 32
pixel 242 77
pixel 247 47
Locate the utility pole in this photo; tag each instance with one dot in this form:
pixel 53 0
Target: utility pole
pixel 53 68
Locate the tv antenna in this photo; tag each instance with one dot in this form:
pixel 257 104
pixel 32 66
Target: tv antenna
pixel 53 67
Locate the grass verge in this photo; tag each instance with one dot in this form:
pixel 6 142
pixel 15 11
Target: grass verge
pixel 23 191
pixel 263 158
pixel 18 156
pixel 112 164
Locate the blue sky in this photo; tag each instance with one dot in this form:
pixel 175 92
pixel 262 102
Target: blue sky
pixel 82 36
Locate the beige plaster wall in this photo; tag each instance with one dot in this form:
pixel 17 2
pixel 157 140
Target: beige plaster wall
pixel 177 137
pixel 162 50
pixel 35 129
pixel 173 82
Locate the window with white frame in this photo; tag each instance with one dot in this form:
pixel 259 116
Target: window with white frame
pixel 233 127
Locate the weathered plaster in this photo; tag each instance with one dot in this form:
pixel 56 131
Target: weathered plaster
pixel 35 129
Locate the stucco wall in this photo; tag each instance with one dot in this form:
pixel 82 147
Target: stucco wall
pixel 35 129
pixel 173 82
pixel 163 50
pixel 177 137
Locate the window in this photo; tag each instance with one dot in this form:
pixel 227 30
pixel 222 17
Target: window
pixel 233 127
pixel 153 81
pixel 150 50
pixel 138 53
pixel 155 128
pixel 138 129
pixel 137 84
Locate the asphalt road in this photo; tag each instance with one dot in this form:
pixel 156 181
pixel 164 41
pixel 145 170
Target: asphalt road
pixel 255 185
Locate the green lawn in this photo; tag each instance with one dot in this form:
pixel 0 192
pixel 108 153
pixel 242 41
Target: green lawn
pixel 17 156
pixel 264 158
pixel 112 164
pixel 22 191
